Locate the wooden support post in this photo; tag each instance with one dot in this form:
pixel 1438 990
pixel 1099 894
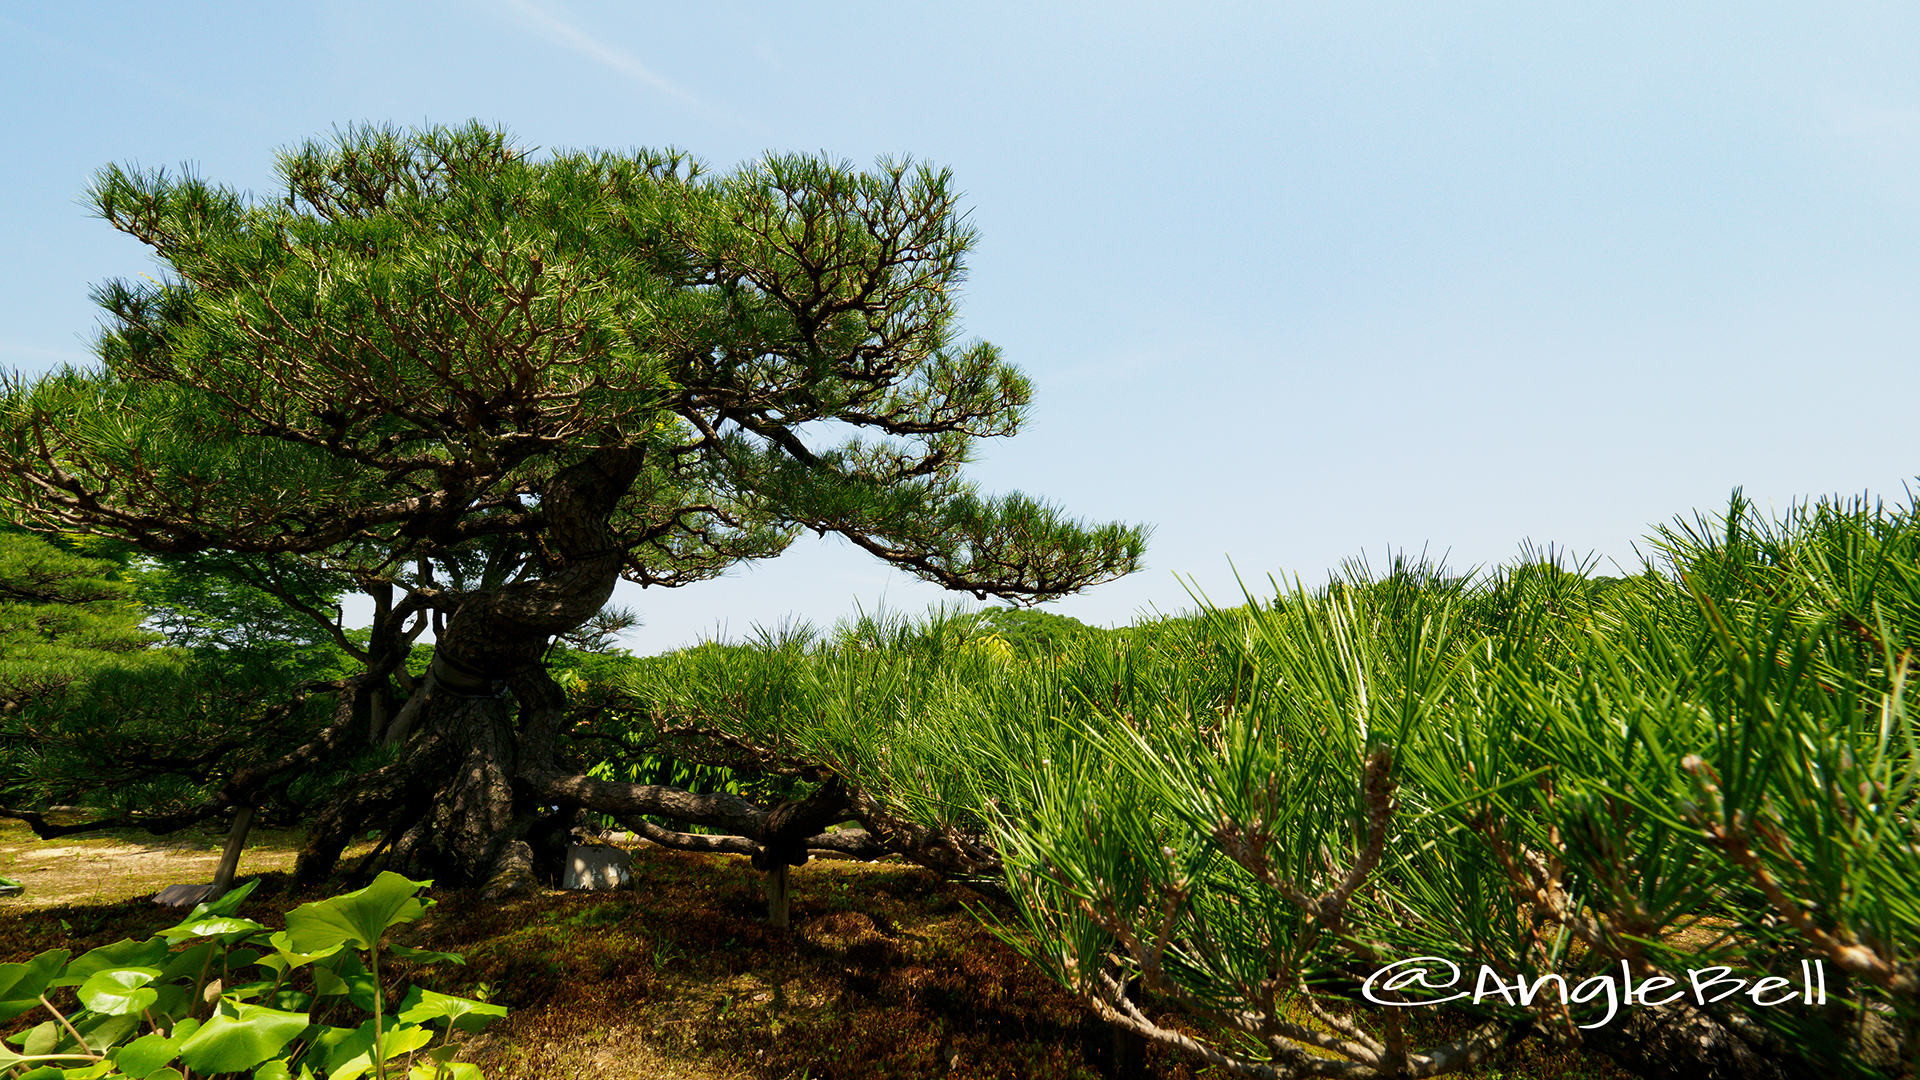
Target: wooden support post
pixel 230 858
pixel 777 895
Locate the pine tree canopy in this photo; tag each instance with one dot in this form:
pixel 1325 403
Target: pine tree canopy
pixel 393 358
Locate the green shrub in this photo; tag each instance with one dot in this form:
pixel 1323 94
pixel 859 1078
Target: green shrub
pixel 1249 811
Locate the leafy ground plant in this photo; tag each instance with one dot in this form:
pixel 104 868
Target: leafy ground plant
pixel 218 995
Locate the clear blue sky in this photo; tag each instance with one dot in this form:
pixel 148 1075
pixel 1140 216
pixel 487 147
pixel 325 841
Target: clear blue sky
pixel 1293 281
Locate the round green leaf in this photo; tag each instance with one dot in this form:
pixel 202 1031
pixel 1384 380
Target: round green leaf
pixel 215 926
pixel 125 953
pixel 39 1039
pixel 424 1006
pixel 349 1053
pixel 147 1054
pixel 224 907
pixel 287 958
pixel 238 1043
pixel 357 918
pixel 119 991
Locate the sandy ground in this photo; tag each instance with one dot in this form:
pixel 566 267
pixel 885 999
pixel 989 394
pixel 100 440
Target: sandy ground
pixel 120 865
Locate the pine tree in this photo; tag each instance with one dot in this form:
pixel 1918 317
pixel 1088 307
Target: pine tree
pixel 487 384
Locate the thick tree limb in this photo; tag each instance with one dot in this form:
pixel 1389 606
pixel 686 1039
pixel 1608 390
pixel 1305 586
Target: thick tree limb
pixel 854 843
pixel 156 824
pixel 717 810
pixel 684 841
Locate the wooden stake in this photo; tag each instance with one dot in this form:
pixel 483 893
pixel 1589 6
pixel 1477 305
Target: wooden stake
pixel 777 896
pixel 230 858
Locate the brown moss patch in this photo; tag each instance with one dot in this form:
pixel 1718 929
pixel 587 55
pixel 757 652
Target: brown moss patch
pixel 884 973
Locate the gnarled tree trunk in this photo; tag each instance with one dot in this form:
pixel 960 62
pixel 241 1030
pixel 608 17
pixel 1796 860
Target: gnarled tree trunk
pixel 471 801
pixel 462 763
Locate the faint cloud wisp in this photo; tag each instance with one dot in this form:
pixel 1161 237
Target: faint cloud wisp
pixel 566 35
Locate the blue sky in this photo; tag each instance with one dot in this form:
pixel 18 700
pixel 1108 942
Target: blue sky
pixel 1294 282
